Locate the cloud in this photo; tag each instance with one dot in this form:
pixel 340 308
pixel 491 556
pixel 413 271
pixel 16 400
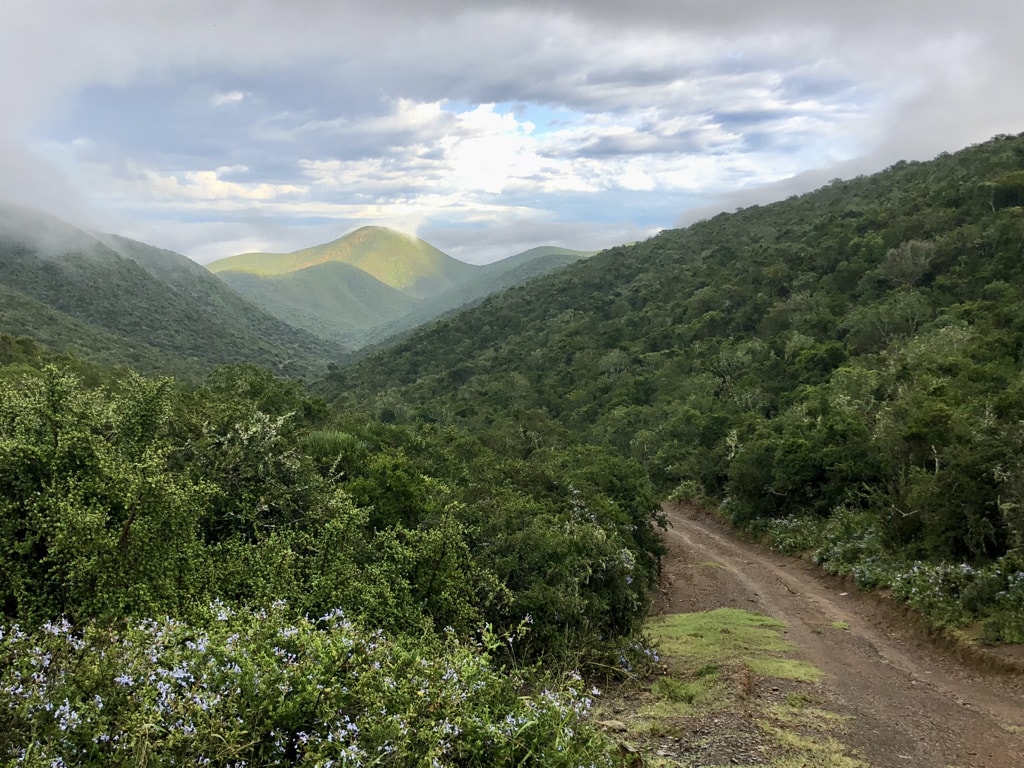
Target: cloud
pixel 588 116
pixel 226 99
pixel 28 179
pixel 206 187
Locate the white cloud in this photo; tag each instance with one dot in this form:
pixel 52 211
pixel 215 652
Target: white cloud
pixel 313 117
pixel 227 98
pixel 208 187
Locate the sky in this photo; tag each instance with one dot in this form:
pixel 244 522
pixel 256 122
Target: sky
pixel 218 127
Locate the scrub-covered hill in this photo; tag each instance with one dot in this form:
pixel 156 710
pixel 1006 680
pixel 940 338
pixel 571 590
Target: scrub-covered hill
pixel 374 283
pixel 121 301
pixel 404 262
pixel 843 368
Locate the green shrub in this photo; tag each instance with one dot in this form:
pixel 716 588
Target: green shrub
pixel 935 590
pixel 260 688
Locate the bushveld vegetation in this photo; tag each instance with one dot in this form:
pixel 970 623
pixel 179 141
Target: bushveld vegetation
pixel 403 567
pixel 168 548
pixel 841 370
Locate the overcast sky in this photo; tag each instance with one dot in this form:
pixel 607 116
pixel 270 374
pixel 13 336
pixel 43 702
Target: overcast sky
pixel 221 126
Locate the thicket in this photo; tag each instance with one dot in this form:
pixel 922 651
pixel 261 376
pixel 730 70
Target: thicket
pixel 267 688
pixel 849 360
pixel 152 310
pixel 129 506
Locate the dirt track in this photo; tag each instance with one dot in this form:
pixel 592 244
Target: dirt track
pixel 913 704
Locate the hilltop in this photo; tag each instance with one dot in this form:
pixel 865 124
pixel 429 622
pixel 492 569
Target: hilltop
pixel 403 262
pixel 374 283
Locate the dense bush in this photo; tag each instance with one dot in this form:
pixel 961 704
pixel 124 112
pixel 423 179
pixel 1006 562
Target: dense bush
pixel 264 688
pixel 856 348
pixel 142 498
pixel 139 498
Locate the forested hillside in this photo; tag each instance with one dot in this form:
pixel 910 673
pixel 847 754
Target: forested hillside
pixel 841 371
pixel 119 301
pixel 487 279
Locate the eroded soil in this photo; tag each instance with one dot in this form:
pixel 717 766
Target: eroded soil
pixel 912 703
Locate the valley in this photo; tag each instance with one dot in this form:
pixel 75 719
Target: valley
pixel 242 527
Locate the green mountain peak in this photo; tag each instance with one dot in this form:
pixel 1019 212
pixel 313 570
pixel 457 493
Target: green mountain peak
pixel 403 262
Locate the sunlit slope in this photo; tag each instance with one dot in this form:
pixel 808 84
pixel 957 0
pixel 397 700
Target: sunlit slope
pixel 334 300
pixel 403 262
pixel 375 283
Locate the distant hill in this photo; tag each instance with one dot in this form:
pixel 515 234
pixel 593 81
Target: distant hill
pixel 374 283
pixel 121 301
pixel 403 262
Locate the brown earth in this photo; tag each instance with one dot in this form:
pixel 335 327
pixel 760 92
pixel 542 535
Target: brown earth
pixel 913 703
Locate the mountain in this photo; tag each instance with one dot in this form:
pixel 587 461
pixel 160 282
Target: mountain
pixel 373 283
pixel 843 370
pixel 118 300
pixel 403 262
pixel 333 300
pixel 486 280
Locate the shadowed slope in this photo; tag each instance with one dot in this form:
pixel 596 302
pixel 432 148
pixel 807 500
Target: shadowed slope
pixel 149 298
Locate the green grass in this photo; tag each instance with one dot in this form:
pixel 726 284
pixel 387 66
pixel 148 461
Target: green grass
pixel 716 664
pixel 730 636
pixel 709 564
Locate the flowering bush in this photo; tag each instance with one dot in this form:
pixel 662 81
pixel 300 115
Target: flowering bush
pixel 935 589
pixel 794 534
pixel 948 594
pixel 999 588
pixel 255 688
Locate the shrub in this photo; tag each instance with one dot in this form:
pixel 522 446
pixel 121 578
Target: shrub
pixel 935 590
pixel 258 688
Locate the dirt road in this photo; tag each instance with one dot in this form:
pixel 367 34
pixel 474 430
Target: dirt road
pixel 913 704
